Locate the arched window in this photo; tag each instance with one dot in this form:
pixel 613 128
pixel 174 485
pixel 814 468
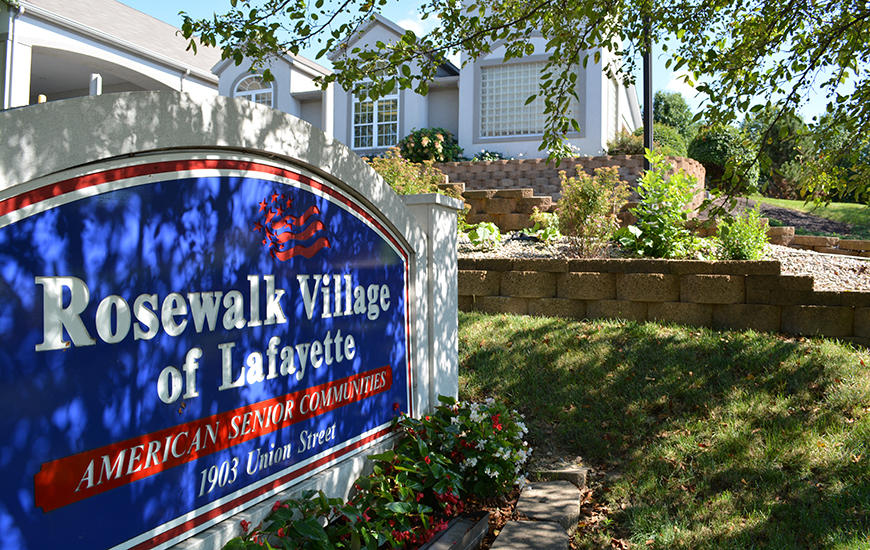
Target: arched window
pixel 254 88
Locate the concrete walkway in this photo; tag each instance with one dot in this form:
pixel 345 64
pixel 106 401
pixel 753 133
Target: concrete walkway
pixel 552 509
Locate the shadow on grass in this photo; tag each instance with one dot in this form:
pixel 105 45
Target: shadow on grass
pixel 724 440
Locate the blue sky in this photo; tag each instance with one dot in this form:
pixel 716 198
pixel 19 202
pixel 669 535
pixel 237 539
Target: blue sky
pixel 405 14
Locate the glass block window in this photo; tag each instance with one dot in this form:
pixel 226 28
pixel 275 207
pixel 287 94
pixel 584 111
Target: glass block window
pixel 503 93
pixel 376 123
pixel 254 88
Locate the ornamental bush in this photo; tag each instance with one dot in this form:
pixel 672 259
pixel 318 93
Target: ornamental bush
pixel 589 206
pixel 661 214
pixel 546 228
pixel 435 144
pixel 743 237
pixel 405 176
pixel 410 178
pixel 485 155
pixel 484 235
pixel 485 441
pixel 666 139
pixel 728 159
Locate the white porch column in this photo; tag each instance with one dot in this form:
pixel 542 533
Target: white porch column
pixel 17 81
pixel 327 111
pixel 96 85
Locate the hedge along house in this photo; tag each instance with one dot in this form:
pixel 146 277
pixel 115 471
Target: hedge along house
pixel 482 103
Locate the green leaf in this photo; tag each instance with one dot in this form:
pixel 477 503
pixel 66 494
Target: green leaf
pixel 399 507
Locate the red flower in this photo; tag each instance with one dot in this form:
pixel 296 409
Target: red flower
pixel 280 532
pixel 245 525
pixel 427 460
pixel 396 406
pixel 276 505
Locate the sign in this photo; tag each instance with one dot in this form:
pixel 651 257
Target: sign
pixel 184 336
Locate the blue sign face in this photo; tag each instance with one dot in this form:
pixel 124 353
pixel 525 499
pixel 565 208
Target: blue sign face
pixel 183 338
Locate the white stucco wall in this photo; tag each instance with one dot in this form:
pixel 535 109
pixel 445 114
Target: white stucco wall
pixel 413 108
pixel 294 90
pixel 444 108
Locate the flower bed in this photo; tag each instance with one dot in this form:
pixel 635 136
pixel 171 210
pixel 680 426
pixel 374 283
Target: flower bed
pixel 462 452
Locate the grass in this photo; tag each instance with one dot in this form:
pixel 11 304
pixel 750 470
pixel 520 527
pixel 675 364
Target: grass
pixel 857 215
pixel 720 439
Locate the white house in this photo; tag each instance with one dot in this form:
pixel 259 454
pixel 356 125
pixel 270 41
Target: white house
pixel 292 90
pixel 483 103
pixel 65 48
pixel 68 48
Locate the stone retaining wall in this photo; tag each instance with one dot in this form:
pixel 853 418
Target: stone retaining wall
pixel 723 295
pixel 509 209
pixel 832 245
pixel 543 176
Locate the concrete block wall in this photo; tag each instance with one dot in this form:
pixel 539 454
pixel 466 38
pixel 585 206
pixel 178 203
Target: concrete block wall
pixel 509 209
pixel 543 176
pixel 725 295
pixel 832 245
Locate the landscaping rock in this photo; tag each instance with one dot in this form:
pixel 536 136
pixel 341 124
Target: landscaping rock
pixel 557 501
pixel 531 535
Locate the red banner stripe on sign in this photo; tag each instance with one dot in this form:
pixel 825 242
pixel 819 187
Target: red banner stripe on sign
pixel 77 477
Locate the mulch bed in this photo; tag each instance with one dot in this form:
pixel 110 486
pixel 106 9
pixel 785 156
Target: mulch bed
pixel 500 512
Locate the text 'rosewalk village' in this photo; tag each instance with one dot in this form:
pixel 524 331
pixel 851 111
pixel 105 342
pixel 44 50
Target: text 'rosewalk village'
pixel 330 295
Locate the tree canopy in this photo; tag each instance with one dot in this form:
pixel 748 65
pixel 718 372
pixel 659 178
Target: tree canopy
pixel 781 50
pixel 671 109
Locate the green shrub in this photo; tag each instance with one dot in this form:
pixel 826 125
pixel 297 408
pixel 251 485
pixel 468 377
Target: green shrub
pixel 484 440
pixel 727 157
pixel 588 209
pixel 624 143
pixel 671 109
pixel 484 235
pixel 405 176
pixel 435 144
pixel 666 139
pixel 411 178
pixel 743 237
pixel 661 214
pixel 546 228
pixel 485 155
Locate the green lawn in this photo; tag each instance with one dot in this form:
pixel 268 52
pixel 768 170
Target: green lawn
pixel 720 439
pixel 857 215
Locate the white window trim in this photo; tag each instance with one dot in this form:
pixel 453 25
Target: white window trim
pixel 250 94
pixel 374 124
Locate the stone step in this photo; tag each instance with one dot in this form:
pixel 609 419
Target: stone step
pixel 531 535
pixel 577 476
pixel 557 501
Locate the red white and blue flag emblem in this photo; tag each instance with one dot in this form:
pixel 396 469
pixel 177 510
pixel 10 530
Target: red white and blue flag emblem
pixel 284 234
